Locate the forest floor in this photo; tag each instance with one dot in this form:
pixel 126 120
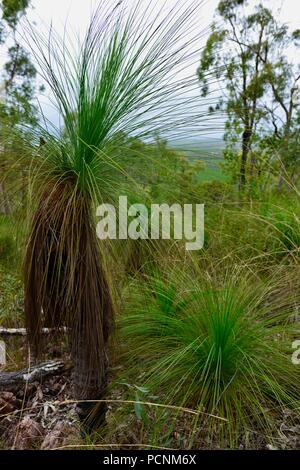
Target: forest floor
pixel 42 415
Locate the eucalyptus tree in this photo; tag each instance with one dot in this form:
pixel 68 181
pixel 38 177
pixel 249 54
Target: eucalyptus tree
pixel 19 72
pixel 18 92
pixel 127 78
pixel 283 111
pixel 237 51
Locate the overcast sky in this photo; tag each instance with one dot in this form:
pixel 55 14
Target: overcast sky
pixel 78 11
pixel 76 14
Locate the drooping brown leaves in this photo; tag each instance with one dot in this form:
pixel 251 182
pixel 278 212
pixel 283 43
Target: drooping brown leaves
pixel 66 284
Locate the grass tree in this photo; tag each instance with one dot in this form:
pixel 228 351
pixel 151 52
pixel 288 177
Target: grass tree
pixel 130 75
pixel 221 345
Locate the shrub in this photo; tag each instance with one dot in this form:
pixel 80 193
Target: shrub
pixel 216 192
pixel 284 226
pixel 224 351
pixel 11 300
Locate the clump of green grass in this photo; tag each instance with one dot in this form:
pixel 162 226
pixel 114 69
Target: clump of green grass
pixel 11 300
pixel 11 288
pixel 11 241
pixel 220 348
pixel 284 221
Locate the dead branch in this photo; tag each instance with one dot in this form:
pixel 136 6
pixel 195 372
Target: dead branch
pixel 23 332
pixel 31 374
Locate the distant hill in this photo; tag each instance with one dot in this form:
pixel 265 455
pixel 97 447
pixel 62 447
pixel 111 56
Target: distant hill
pixel 210 152
pixel 200 148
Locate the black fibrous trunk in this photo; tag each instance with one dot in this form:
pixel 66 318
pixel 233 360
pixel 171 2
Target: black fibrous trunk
pixel 66 284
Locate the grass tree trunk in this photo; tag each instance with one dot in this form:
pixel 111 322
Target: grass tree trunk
pixel 66 285
pixel 89 384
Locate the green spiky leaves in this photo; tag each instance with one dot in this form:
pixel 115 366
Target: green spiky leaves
pixel 221 349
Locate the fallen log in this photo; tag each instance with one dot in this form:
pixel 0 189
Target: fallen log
pixel 31 374
pixel 23 331
pixel 13 331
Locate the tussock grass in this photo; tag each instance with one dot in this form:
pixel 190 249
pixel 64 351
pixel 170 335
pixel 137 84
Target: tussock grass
pixel 218 346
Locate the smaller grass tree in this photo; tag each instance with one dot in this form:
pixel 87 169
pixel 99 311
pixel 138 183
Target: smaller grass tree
pixel 222 348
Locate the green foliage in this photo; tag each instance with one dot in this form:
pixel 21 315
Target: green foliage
pixel 246 49
pixel 7 242
pixel 11 299
pixel 210 331
pixel 155 165
pixel 209 57
pixel 214 347
pixel 11 289
pixel 227 8
pixel 12 10
pixel 11 240
pixel 114 89
pixel 19 73
pixel 284 222
pixel 19 83
pixel 212 192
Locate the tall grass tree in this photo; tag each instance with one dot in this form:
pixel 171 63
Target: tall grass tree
pixel 130 75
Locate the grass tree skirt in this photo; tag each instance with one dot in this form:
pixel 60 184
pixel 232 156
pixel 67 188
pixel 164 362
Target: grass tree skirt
pixel 89 384
pixel 69 286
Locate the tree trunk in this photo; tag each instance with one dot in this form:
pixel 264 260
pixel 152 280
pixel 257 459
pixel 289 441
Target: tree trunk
pixel 245 151
pixel 252 166
pixel 285 151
